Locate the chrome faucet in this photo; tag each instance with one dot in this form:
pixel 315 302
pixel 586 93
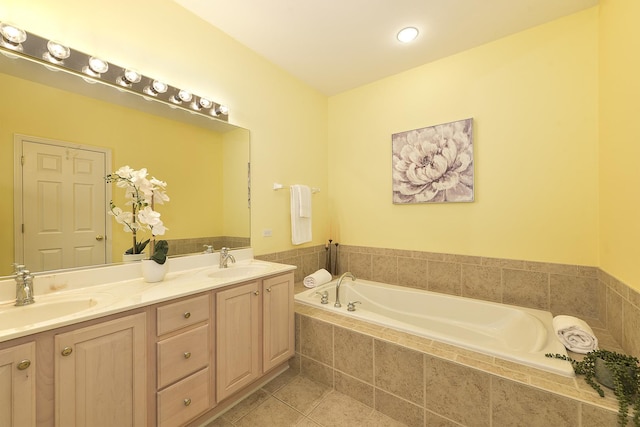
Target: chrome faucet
pixel 225 256
pixel 24 286
pixel 347 274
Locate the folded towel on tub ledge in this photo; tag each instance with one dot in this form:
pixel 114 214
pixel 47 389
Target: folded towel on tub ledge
pixel 318 278
pixel 575 334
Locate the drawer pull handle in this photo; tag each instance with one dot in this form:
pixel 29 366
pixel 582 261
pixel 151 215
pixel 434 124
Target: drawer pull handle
pixel 24 364
pixel 187 354
pixel 256 293
pixel 187 314
pixel 66 351
pixel 187 402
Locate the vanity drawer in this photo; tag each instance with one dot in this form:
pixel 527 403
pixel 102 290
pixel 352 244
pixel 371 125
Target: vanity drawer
pixel 182 354
pixel 184 401
pixel 181 314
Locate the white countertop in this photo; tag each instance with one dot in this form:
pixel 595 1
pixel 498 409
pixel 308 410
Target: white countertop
pixel 118 288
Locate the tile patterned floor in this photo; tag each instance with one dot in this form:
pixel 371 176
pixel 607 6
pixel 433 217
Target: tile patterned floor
pixel 294 400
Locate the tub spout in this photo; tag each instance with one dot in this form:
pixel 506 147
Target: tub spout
pixel 347 274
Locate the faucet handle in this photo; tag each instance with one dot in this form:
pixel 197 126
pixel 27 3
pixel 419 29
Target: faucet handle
pixel 19 269
pixel 351 305
pixel 208 249
pixel 324 297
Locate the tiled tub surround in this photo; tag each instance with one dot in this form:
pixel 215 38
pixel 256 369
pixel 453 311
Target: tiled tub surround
pixel 582 291
pixel 423 382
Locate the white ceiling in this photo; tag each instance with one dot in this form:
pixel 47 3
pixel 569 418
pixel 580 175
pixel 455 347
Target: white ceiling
pixel 337 45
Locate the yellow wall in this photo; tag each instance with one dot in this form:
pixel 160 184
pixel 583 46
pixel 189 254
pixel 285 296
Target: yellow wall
pixel 620 139
pixel 135 139
pixel 533 97
pixel 287 119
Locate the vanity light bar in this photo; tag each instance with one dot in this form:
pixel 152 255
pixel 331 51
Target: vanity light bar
pixel 15 42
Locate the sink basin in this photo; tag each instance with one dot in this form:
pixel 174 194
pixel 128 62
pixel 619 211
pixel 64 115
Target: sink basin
pixel 234 271
pixel 48 308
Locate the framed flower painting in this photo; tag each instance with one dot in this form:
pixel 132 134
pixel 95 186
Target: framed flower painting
pixel 434 164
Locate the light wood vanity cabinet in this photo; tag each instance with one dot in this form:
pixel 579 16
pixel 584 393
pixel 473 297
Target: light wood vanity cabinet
pixel 100 374
pixel 18 385
pixel 164 365
pixel 254 331
pixel 183 360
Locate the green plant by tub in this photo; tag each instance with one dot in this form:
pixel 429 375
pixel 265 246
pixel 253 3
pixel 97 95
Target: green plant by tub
pixel 161 248
pixel 619 372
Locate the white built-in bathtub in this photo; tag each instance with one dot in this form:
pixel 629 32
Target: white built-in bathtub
pixel 508 332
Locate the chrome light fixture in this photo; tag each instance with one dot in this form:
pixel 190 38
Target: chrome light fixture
pixel 181 96
pixel 129 77
pixel 155 88
pixel 12 37
pixel 96 67
pixel 56 53
pixel 57 56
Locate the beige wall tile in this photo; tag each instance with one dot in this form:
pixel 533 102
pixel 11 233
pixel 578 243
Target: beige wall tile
pixel 444 277
pixel 593 416
pixel 316 340
pixel 482 282
pixel 354 354
pixel 360 265
pixel 457 392
pixel 525 288
pixel 631 329
pixel 354 388
pixel 572 295
pixel 316 371
pixel 385 269
pixel 399 370
pixel 412 272
pixel 310 264
pixel 512 403
pixel 614 315
pixel 399 409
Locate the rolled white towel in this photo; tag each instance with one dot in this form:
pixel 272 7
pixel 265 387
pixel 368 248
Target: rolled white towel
pixel 575 334
pixel 318 278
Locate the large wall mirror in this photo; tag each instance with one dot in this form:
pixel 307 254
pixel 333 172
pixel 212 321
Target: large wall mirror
pixel 205 162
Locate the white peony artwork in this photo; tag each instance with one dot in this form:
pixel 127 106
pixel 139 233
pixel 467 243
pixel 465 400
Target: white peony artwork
pixel 434 164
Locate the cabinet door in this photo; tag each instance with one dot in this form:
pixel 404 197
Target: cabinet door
pixel 18 386
pixel 238 350
pixel 100 374
pixel 278 315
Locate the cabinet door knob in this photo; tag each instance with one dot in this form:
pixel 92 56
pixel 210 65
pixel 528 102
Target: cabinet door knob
pixel 99 237
pixel 24 364
pixel 66 351
pixel 187 402
pixel 268 289
pixel 256 293
pixel 187 314
pixel 187 354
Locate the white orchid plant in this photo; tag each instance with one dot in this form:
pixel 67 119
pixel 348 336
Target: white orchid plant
pixel 141 194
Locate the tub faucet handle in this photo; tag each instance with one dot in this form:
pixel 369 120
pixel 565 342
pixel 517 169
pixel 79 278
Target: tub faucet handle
pixel 351 305
pixel 324 297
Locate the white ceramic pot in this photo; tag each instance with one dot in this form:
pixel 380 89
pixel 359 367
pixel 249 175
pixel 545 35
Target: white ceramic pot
pixel 133 257
pixel 153 272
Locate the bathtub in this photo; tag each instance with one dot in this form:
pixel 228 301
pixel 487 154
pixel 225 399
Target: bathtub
pixel 518 334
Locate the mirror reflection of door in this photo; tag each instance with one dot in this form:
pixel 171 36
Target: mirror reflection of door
pixel 64 204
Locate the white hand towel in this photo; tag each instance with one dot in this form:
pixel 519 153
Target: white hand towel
pixel 318 278
pixel 304 192
pixel 575 334
pixel 300 226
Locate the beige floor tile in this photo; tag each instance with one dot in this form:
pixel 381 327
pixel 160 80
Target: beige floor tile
pixel 243 407
pixel 271 413
pixel 302 394
pixel 378 419
pixel 280 381
pixel 219 422
pixel 306 422
pixel 338 410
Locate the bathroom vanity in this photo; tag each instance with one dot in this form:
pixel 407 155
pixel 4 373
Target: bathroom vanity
pixel 161 354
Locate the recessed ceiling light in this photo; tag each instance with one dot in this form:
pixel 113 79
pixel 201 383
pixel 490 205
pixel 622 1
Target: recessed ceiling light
pixel 408 34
